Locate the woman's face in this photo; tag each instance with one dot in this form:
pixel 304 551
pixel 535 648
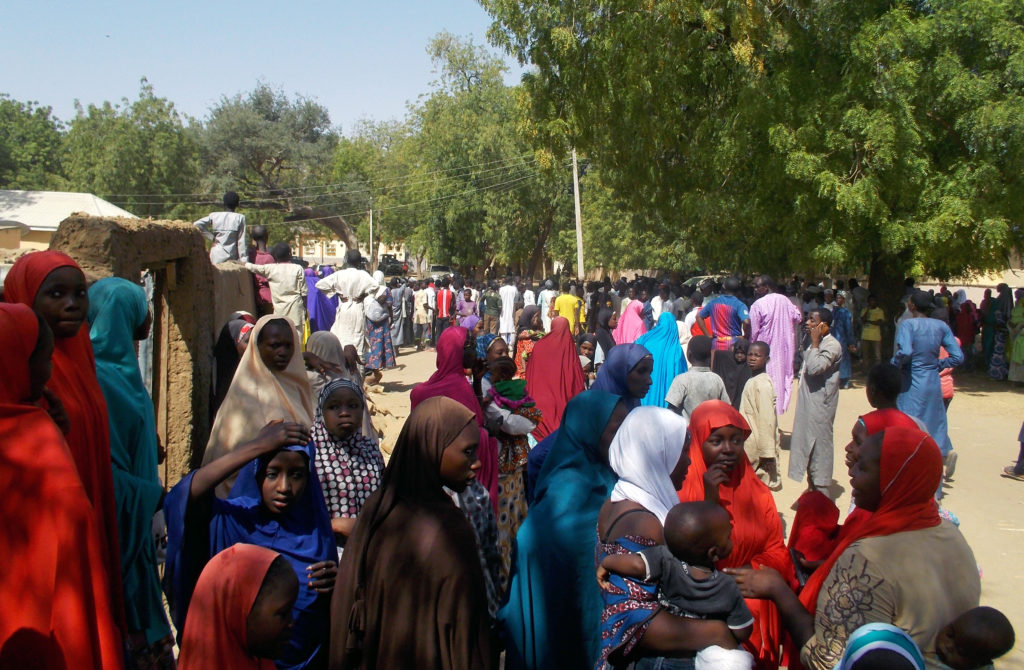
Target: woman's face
pixel 285 480
pixel 459 461
pixel 63 301
pixel 858 435
pixel 276 345
pixel 478 329
pixel 587 349
pixel 498 349
pixel 723 446
pixel 343 413
pixel 535 321
pixel 612 427
pixel 638 381
pixel 613 321
pixel 678 474
pixel 865 475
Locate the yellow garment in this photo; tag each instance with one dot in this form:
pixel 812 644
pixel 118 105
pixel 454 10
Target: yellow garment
pixel 565 305
pixel 256 396
pixel 872 332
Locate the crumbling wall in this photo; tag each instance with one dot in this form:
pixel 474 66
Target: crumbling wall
pixel 233 291
pixel 184 325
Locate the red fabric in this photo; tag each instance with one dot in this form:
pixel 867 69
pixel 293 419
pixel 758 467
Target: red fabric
pixel 890 417
pixel 553 376
pixel 756 528
pixel 967 323
pixel 695 328
pixel 815 526
pixel 946 374
pixel 449 381
pixel 910 473
pixel 215 629
pixel 74 382
pixel 53 582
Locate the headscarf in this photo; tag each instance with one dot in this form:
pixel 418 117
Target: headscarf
pixel 959 298
pixel 74 382
pixel 643 454
pixel 663 343
pixel 326 346
pixel 117 308
pixel 469 322
pixel 631 324
pixel 604 333
pixel 878 636
pixel 734 375
pixel 525 317
pixel 226 357
pixel 55 579
pixel 258 395
pixel 449 381
pixel 484 342
pixel 378 277
pixel 612 377
pixel 412 488
pixel 552 617
pixel 553 375
pixel 910 471
pixel 215 635
pixel 302 534
pixel 349 469
pixel 880 419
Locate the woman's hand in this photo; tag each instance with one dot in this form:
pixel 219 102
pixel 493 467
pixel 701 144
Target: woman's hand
pixel 351 359
pixel 317 364
pixel 321 576
pixel 277 434
pixel 713 478
pixel 763 583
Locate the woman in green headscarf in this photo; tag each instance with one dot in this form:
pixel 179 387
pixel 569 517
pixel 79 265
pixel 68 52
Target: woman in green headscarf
pixel 118 316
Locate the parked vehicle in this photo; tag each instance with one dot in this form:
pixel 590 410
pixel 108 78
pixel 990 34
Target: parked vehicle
pixel 390 265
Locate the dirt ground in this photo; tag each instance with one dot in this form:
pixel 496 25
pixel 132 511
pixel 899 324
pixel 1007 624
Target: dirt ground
pixel 984 418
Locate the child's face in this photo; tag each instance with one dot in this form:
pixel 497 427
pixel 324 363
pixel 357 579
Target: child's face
pixel 499 373
pixel 722 533
pixel 739 354
pixel 587 349
pixel 269 623
pixel 285 480
pixel 343 413
pixel 756 359
pixel 957 645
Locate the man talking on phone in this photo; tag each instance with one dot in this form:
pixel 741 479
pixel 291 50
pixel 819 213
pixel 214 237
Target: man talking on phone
pixel 811 445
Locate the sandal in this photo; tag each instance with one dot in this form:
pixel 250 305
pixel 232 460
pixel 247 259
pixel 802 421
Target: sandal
pixel 1008 471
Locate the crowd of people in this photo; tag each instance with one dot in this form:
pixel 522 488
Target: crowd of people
pixel 585 481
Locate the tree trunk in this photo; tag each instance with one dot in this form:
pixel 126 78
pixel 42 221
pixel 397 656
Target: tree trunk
pixel 333 222
pixel 538 249
pixel 885 282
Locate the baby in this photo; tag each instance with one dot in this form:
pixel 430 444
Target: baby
pixel 697 535
pixel 974 639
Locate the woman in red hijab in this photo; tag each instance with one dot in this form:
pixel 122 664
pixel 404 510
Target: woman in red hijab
pixel 53 285
pixel 902 565
pixel 53 579
pixel 553 376
pixel 720 472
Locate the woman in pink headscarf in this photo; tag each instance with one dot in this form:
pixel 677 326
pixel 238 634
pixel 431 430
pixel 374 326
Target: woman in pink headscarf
pixel 631 325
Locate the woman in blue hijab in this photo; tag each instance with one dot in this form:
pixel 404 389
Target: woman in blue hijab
pixel 663 343
pixel 553 615
pixel 277 502
pixel 119 315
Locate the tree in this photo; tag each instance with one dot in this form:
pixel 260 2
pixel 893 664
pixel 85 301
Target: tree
pixel 136 154
pixel 835 136
pixel 30 146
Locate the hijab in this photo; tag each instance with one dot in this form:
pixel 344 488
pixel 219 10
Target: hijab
pixel 215 634
pixel 525 318
pixel 734 375
pixel 880 636
pixel 643 454
pixel 614 373
pixel 55 580
pixel 631 324
pixel 553 375
pixel 326 346
pixel 484 342
pixel 258 395
pixel 910 471
pixel 604 333
pixel 469 322
pixel 663 343
pixel 117 308
pixel 74 382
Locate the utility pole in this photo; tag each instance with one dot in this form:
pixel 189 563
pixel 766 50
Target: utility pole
pixel 371 241
pixel 579 224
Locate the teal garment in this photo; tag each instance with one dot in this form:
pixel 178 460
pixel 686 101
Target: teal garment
pixel 880 637
pixel 553 615
pixel 663 343
pixel 117 307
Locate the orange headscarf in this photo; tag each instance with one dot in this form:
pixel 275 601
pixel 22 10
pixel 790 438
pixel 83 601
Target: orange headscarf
pixel 756 528
pixel 74 382
pixel 54 582
pixel 909 474
pixel 554 375
pixel 215 630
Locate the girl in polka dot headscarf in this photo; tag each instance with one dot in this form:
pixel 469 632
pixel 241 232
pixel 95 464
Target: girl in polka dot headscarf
pixel 349 464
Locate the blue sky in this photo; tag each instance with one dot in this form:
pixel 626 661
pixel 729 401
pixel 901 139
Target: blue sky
pixel 359 59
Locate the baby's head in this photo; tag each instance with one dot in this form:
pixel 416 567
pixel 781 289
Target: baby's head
pixel 502 369
pixel 974 639
pixel 699 533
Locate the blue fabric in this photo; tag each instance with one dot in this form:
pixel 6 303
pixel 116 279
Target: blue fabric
pixel 611 378
pixel 842 330
pixel 302 534
pixel 482 343
pixel 319 308
pixel 117 307
pixel 552 618
pixel 647 314
pixel 917 355
pixel 535 463
pixel 663 343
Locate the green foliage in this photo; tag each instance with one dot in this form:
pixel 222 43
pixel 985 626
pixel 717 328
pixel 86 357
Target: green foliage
pixel 30 147
pixel 136 154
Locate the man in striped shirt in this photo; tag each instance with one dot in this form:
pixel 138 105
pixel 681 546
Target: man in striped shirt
pixel 445 308
pixel 728 316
